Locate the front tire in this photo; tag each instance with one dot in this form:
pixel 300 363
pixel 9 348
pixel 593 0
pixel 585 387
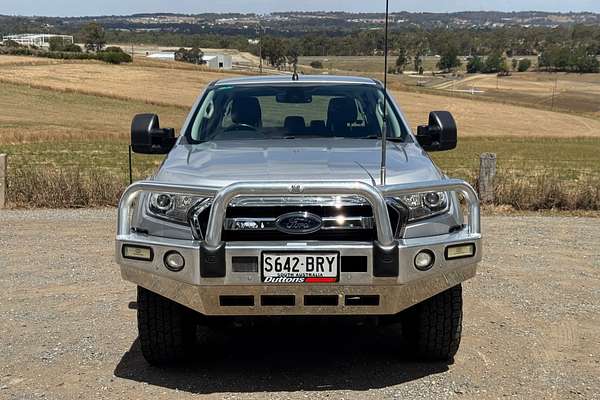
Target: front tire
pixel 433 328
pixel 167 330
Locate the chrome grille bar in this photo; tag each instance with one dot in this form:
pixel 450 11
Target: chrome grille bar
pixel 268 224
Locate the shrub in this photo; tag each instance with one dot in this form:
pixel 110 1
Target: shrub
pixel 112 57
pixel 114 49
pixel 65 188
pixel 192 56
pixel 524 65
pixel 72 48
pixel 316 64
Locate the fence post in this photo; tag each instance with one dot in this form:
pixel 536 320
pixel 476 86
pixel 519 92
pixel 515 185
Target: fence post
pixel 487 172
pixel 3 181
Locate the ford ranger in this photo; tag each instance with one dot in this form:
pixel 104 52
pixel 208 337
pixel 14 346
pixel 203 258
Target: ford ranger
pixel 279 198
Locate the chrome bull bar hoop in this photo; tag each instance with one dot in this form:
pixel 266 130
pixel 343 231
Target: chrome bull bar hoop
pixel 222 197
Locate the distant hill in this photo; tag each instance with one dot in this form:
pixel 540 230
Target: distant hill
pixel 290 22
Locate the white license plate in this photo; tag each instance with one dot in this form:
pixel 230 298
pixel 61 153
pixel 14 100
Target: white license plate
pixel 300 267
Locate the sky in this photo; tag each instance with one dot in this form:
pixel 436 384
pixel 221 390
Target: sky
pixel 123 7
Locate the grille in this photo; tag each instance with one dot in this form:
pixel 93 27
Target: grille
pixel 340 223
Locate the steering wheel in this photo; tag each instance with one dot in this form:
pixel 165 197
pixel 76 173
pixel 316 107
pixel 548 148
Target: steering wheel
pixel 240 127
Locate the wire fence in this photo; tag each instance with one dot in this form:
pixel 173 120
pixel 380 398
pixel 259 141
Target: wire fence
pixel 116 162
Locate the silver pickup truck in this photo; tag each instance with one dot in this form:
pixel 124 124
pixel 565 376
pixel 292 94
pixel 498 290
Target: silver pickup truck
pixel 279 198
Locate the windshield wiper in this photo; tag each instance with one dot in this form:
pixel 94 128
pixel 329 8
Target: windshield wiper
pixel 391 139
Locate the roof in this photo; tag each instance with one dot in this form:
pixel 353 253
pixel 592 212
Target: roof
pixel 303 79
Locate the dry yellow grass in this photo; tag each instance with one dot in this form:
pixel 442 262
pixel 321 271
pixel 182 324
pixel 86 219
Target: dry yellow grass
pixel 159 84
pixel 481 118
pixel 22 60
pixel 34 115
pixel 155 85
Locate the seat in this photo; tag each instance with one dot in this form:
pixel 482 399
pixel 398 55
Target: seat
pixel 246 111
pixel 342 111
pixel 318 126
pixel 294 124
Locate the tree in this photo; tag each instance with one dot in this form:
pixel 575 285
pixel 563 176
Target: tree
pixel 56 44
pixel 524 65
pixel 418 62
pixel 292 55
pixel 192 56
pixel 475 65
pixel 402 59
pixel 494 63
pixel 93 36
pixel 274 51
pixel 449 59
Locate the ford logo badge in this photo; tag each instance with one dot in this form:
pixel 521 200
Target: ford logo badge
pixel 298 223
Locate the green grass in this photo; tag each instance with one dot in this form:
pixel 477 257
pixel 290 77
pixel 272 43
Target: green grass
pixel 525 157
pixel 563 158
pixel 533 174
pixel 103 156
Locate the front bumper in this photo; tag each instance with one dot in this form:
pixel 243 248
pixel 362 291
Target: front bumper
pixel 243 293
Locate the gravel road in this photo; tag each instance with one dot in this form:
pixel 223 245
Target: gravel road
pixel 68 328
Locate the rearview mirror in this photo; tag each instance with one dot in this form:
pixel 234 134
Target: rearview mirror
pixel 294 96
pixel 439 134
pixel 148 138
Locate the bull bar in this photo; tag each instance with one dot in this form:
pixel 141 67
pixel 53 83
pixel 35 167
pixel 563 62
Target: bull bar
pixel 204 292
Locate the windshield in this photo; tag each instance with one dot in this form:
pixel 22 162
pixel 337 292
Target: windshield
pixel 293 112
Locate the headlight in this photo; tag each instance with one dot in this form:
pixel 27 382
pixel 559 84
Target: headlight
pixel 424 205
pixel 172 207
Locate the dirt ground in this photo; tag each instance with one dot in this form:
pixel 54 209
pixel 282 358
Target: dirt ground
pixel 68 331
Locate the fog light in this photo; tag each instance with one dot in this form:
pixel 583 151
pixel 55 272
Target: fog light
pixel 137 252
pixel 174 261
pixel 424 260
pixel 460 251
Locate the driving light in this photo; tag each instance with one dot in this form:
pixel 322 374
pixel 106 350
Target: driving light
pixel 460 251
pixel 137 252
pixel 424 260
pixel 174 261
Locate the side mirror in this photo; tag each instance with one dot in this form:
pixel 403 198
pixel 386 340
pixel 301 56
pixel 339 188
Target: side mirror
pixel 148 138
pixel 439 134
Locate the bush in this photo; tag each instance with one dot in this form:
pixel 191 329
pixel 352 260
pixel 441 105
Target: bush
pixel 192 56
pixel 72 48
pixel 114 49
pixel 112 57
pixel 524 65
pixel 64 188
pixel 316 64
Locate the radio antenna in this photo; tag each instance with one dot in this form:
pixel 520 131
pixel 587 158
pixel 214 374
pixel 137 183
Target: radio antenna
pixel 385 74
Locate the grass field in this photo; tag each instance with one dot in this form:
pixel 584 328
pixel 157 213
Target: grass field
pixel 156 84
pixel 369 64
pixel 66 126
pixel 578 93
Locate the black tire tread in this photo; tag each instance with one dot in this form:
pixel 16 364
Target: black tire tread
pixel 166 329
pixel 434 327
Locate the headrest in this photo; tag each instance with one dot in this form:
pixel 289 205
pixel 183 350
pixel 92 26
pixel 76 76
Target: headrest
pixel 246 110
pixel 294 124
pixel 342 110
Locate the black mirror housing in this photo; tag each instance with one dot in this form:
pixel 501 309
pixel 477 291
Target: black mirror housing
pixel 439 134
pixel 148 138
